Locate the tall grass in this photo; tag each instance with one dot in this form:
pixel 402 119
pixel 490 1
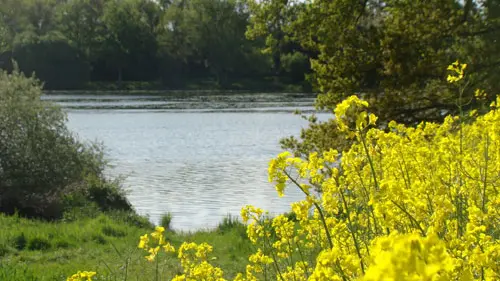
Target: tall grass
pixel 107 243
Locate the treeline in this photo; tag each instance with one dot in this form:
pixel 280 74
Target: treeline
pixel 167 44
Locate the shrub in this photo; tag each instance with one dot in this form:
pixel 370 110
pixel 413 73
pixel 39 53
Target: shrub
pixel 409 204
pixel 106 194
pixel 38 243
pixel 41 161
pixel 19 241
pixel 230 223
pixel 131 218
pixel 81 209
pixel 165 220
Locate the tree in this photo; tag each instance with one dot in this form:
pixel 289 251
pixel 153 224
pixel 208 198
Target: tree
pixel 177 44
pixel 54 61
pixel 207 38
pixel 40 15
pixel 269 19
pixel 222 25
pixel 81 24
pixel 5 38
pixel 393 53
pixel 130 42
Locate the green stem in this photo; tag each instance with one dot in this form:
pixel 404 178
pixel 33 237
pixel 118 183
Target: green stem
pixel 275 260
pixel 322 216
pixel 356 245
pixel 413 220
pixel 459 196
pixel 156 273
pixel 306 268
pixel 370 160
pixel 485 173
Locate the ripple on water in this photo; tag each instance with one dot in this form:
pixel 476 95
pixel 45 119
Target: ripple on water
pixel 199 166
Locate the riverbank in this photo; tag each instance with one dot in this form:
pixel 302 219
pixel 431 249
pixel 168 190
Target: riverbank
pixel 39 250
pixel 268 85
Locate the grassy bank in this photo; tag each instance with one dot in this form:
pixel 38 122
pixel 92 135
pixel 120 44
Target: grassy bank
pixel 107 244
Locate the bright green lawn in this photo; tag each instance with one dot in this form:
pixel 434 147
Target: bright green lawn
pixel 38 250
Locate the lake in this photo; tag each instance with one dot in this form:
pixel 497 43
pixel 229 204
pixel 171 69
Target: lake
pixel 198 156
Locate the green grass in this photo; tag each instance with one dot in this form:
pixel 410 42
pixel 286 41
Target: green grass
pixel 40 250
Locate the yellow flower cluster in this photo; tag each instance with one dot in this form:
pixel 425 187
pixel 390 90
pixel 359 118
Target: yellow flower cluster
pixel 253 216
pixel 82 276
pixel 409 257
pixel 194 261
pixel 351 114
pixel 158 237
pixel 402 204
pixel 408 204
pixel 458 72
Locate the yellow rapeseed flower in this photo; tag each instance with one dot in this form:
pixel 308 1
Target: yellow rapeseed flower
pixel 408 203
pixel 458 69
pixel 82 276
pixel 152 253
pixel 143 242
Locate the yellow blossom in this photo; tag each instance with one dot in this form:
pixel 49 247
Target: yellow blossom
pixel 82 276
pixel 143 241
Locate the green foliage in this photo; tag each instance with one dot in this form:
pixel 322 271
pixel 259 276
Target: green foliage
pixel 80 24
pixel 57 63
pixel 232 223
pixel 98 238
pixel 41 162
pixel 178 43
pixel 296 65
pixel 207 38
pixel 112 231
pixel 165 220
pixel 129 40
pixel 269 19
pixel 4 250
pixel 392 53
pixel 16 273
pixel 317 137
pixel 38 243
pixel 19 242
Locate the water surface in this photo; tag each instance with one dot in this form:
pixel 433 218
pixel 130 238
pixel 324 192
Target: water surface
pixel 197 157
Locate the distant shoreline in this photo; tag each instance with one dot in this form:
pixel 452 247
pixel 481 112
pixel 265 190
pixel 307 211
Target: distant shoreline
pixel 180 92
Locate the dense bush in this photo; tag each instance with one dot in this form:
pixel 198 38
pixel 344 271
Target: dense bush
pixel 43 167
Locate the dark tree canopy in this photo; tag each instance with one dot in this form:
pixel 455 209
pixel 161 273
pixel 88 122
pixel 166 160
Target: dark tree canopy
pixel 393 53
pixel 176 42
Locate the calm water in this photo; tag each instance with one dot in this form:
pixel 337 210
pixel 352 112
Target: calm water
pixel 198 157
